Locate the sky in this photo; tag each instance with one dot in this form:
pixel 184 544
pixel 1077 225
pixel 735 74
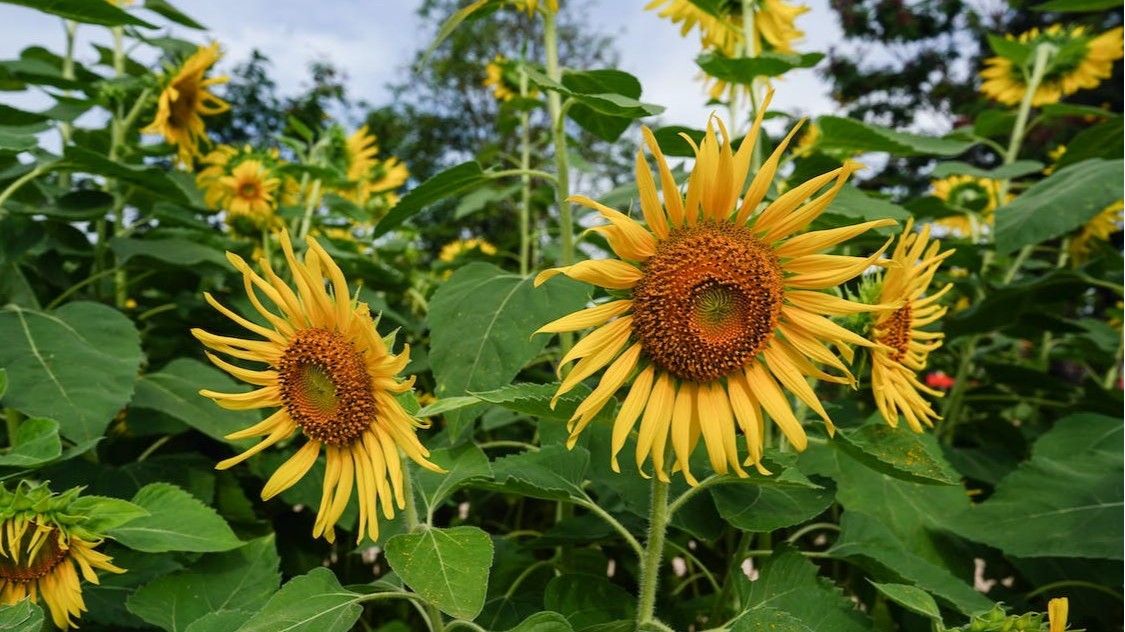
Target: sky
pixel 374 41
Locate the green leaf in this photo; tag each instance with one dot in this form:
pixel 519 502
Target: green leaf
pixel 174 250
pixel 1076 6
pixel 221 621
pixel 1017 52
pixel 165 9
pixel 102 13
pixel 850 135
pixel 155 179
pixel 177 522
pixel 744 70
pixel 462 464
pixel 25 616
pixel 10 116
pixel 1073 109
pixel 788 582
pixel 448 404
pixel 766 503
pixel 244 578
pixel 83 204
pixel 481 323
pixel 1103 140
pixel 1014 170
pixel 864 540
pixel 852 202
pixel 51 360
pixel 899 452
pixel 588 600
pixel 174 391
pixel 608 128
pixel 1083 190
pixel 535 400
pixel 1066 501
pixel 445 184
pixel 36 442
pixel 1006 308
pixel 764 619
pixel 544 622
pixel 3 382
pixel 14 143
pixel 551 473
pixel 315 602
pixel 448 567
pixel 105 512
pixel 607 103
pixel 913 599
pixel 447 29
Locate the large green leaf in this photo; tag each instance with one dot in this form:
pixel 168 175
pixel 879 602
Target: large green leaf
pixel 76 365
pixel 766 503
pixel 445 184
pixel 174 250
pixel 164 8
pixel 608 103
pixel 22 616
pixel 788 582
pixel 1013 170
pixel 1066 501
pixel 481 322
pixel 155 179
pixel 1076 6
pixel 243 578
pixel 462 464
pixel 447 567
pixel 1103 140
pixel 1058 204
pixel 103 13
pixel 36 441
pixel 899 452
pixel 911 598
pixel 315 602
pixel 544 622
pixel 868 542
pixel 765 619
pixel 852 202
pixel 608 128
pixel 174 391
pixel 1010 307
pixel 551 473
pixel 845 134
pixel 177 521
pixel 744 70
pixel 535 400
pixel 588 600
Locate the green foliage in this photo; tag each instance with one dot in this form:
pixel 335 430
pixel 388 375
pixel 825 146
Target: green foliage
pixel 447 567
pixel 23 616
pixel 176 522
pixel 313 602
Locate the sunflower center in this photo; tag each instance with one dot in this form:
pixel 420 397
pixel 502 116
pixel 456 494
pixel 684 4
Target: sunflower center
pixel 898 328
pixel 248 190
pixel 709 301
pixel 184 105
pixel 326 388
pixel 31 567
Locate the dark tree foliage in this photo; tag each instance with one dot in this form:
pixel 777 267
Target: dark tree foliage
pixel 915 65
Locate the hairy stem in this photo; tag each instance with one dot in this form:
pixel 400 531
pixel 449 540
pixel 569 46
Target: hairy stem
pixel 654 551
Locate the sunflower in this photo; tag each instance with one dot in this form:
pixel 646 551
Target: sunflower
pixel 494 76
pixel 717 309
pixel 452 250
pixel 332 377
pixel 370 176
pixel 41 541
pixel 1098 229
pixel 904 346
pixel 979 197
pixel 248 184
pixel 1079 62
pixel 185 101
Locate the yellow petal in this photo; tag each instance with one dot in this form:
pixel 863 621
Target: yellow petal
pixel 762 180
pixel 630 411
pixel 773 400
pixel 682 412
pixel 816 241
pixel 589 317
pixel 627 238
pixel 292 470
pixel 653 433
pixel 612 274
pixel 673 201
pixel 650 203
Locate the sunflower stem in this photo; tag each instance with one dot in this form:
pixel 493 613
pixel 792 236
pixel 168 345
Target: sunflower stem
pixel 12 419
pixel 310 206
pixel 750 50
pixel 654 551
pixel 558 126
pixel 65 127
pixel 525 177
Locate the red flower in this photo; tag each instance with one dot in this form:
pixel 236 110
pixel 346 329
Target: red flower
pixel 938 379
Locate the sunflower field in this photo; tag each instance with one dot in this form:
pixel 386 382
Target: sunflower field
pixel 514 352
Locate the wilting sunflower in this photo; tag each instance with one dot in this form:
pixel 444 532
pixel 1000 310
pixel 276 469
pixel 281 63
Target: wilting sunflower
pixel 332 377
pixel 1098 229
pixel 42 538
pixel 775 28
pixel 718 309
pixel 904 345
pixel 184 102
pixel 978 196
pixel 1080 61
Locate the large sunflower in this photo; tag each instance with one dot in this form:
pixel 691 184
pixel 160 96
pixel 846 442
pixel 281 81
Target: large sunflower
pixel 717 310
pixel 185 101
pixel 904 345
pixel 41 541
pixel 1080 62
pixel 332 377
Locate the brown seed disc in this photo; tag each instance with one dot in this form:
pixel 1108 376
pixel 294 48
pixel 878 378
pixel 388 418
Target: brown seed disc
pixel 325 387
pixel 709 301
pixel 898 328
pixel 49 556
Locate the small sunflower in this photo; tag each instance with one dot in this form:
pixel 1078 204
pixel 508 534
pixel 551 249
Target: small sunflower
pixel 452 250
pixel 717 308
pixel 978 197
pixel 185 101
pixel 1098 229
pixel 494 77
pixel 332 378
pixel 42 539
pixel 371 177
pixel 248 185
pixel 1079 62
pixel 904 346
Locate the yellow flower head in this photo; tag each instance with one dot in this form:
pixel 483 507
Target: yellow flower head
pixel 247 184
pixel 979 197
pixel 1080 62
pixel 184 102
pixel 450 252
pixel 1098 229
pixel 494 76
pixel 718 307
pixel 1057 610
pixel 331 377
pixel 42 541
pixel 905 346
pixel 372 179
